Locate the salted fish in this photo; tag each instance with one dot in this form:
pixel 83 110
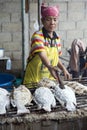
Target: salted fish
pixel 77 87
pixel 66 97
pixel 46 82
pixel 44 98
pixel 21 96
pixel 4 101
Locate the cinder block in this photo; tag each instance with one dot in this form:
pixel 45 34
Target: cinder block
pixel 12 6
pixel 12 27
pixel 76 16
pixel 66 25
pixel 15 17
pixel 63 16
pixel 17 55
pixel 17 36
pixel 13 46
pixel 74 34
pixel 5 37
pixel 85 33
pixel 4 17
pixel 76 6
pixel 82 25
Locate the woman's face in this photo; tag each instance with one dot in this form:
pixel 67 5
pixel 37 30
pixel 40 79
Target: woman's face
pixel 50 23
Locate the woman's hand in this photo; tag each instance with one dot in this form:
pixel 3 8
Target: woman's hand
pixel 66 74
pixel 53 72
pixel 65 71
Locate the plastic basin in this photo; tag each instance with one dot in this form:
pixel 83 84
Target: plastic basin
pixel 7 81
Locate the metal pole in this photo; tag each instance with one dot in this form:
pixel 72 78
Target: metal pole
pixel 39 12
pixel 22 38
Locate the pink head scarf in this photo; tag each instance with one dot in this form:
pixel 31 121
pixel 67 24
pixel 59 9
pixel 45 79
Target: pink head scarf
pixel 49 10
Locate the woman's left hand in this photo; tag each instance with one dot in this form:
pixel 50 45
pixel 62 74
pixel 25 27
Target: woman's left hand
pixel 67 75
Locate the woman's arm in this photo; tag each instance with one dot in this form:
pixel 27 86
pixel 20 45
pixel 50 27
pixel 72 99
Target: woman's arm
pixel 47 63
pixel 44 58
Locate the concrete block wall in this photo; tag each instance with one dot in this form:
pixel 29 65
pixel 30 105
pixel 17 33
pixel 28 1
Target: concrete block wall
pixel 11 31
pixel 72 21
pixel 72 24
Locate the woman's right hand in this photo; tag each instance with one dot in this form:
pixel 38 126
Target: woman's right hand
pixel 53 72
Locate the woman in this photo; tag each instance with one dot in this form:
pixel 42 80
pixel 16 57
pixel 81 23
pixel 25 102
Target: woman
pixel 45 49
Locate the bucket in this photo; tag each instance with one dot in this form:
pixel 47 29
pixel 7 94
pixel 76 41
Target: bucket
pixel 1 52
pixel 18 82
pixel 7 81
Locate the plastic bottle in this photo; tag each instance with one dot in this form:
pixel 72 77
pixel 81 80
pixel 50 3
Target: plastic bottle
pixel 8 64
